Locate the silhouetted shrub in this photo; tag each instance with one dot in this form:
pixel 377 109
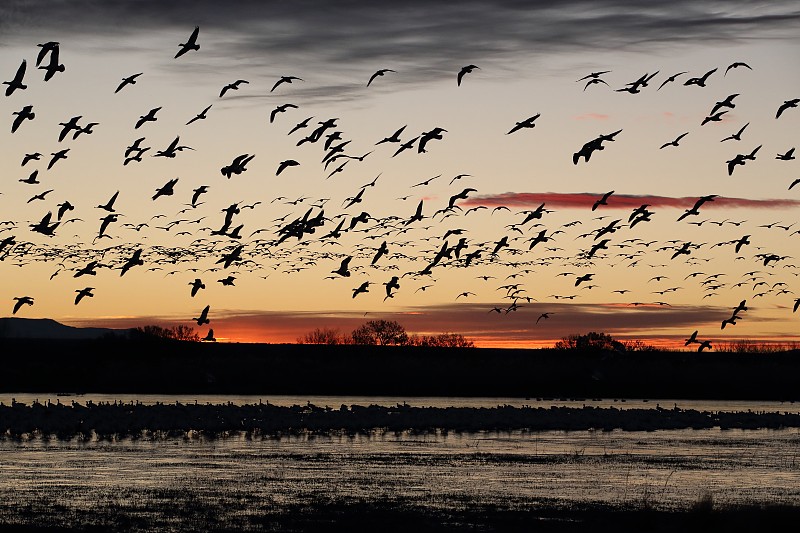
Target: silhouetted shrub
pixel 381 333
pixel 591 341
pixel 153 332
pixel 325 336
pixel 443 340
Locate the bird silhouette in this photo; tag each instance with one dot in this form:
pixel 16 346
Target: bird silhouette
pixel 209 337
pixel 692 339
pixel 149 117
pixel 190 44
pixel 736 136
pixel 527 123
pixel 704 345
pixel 82 293
pixel 202 115
pixel 197 284
pixel 545 316
pixel 16 82
pixel 128 80
pixel 167 189
pixel 284 79
pixel 701 81
pixel 203 318
pixel 26 113
pixel 285 164
pixel 670 79
pixel 602 201
pixel 465 70
pixel 737 64
pixel 427 136
pixel 364 287
pixel 280 109
pixel 20 301
pixel 675 142
pixel 231 87
pixel 460 196
pixel 787 156
pixel 786 105
pixel 53 66
pixel 343 267
pixel 132 261
pixel 46 48
pixel 380 72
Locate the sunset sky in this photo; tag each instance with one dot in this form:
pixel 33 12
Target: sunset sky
pixel 529 56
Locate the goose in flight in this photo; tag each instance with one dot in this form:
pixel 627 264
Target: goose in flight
pixel 364 287
pixel 465 70
pixel 728 102
pixel 71 124
pixel 582 278
pixel 736 136
pixel 31 180
pixel 527 123
pixel 391 284
pixel 670 79
pixel 190 44
pixel 716 117
pixel 109 206
pixel 285 79
pixel 602 201
pixel 203 318
pixel 237 166
pixel 703 345
pixel 694 210
pixel 460 196
pixel 82 293
pixel 393 138
pixel 167 189
pixel 280 109
pixel 39 196
pixel 132 261
pixel 795 182
pixel 21 300
pixel 26 113
pixel 36 156
pixel 408 145
pixel 701 81
pixel 197 284
pixel 53 66
pixel 737 64
pixel 200 116
pixel 16 82
pixel 128 80
pixel 57 156
pixel 594 81
pixel 232 87
pixel 380 72
pixel 692 339
pixel 593 75
pixel 209 337
pixel 675 142
pixel 788 156
pixel 343 267
pixel 545 316
pixel 149 117
pixel 46 48
pixel 285 164
pixel 784 106
pixel 427 136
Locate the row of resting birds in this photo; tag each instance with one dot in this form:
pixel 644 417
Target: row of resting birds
pixel 424 243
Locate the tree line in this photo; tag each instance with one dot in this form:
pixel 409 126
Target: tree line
pixel 384 333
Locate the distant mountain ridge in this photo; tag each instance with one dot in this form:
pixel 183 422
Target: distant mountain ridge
pixel 46 328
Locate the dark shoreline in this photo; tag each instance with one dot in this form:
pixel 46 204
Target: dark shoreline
pixel 172 367
pixel 114 420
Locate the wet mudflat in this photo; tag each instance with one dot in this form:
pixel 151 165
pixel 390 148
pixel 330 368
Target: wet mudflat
pixel 395 480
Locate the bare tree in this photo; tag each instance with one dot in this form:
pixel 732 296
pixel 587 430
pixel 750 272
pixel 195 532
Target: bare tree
pixel 381 333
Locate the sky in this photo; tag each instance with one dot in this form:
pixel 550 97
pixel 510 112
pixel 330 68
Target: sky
pixel 529 58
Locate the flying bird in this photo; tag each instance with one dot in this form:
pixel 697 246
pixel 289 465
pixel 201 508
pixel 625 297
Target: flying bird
pixel 200 116
pixel 380 72
pixel 280 109
pixel 786 105
pixel 343 267
pixel 736 136
pixel 545 316
pixel 167 189
pixel 21 300
pixel 197 284
pixel 128 80
pixel 16 82
pixel 232 87
pixel 737 64
pixel 203 318
pixel 26 113
pixel 149 117
pixel 692 339
pixel 465 70
pixel 675 142
pixel 670 79
pixel 364 287
pixel 602 201
pixel 190 44
pixel 285 79
pixel 82 293
pixel 284 164
pixel 527 123
pixel 701 81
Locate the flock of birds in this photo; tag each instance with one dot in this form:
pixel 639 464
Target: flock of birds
pixel 432 240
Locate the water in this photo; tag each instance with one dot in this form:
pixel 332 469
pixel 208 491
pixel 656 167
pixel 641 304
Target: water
pixel 244 481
